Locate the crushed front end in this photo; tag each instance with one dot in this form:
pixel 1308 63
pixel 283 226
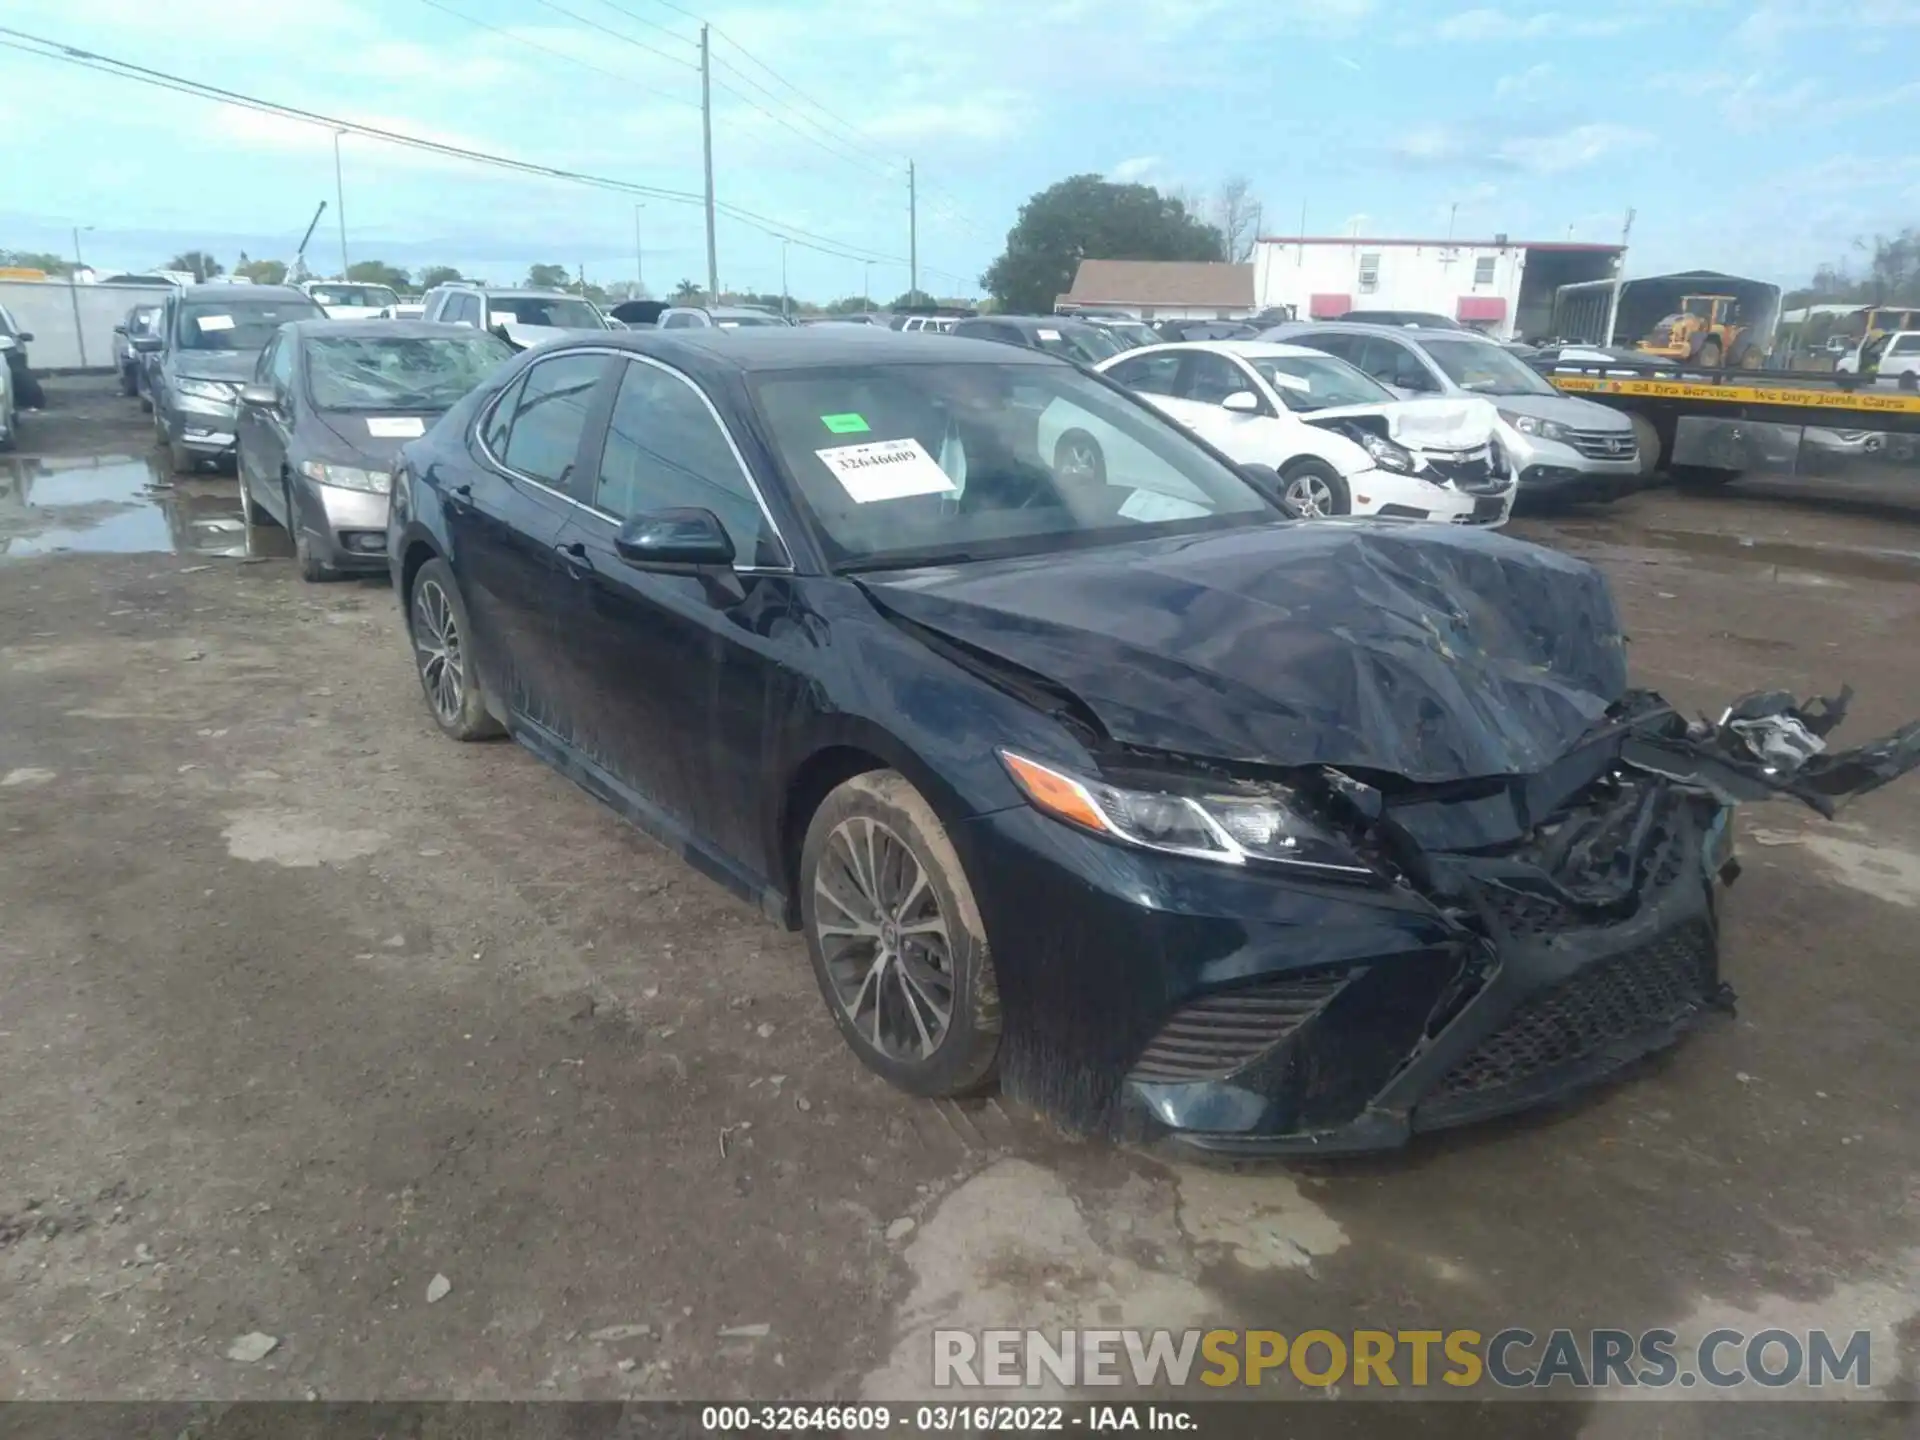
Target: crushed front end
pixel 1519 940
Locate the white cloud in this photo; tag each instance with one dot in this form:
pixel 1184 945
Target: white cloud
pixel 1137 167
pixel 1524 84
pixel 1571 149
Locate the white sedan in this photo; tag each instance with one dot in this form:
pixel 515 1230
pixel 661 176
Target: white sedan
pixel 1342 442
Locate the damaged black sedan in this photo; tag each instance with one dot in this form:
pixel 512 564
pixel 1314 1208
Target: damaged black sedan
pixel 1110 782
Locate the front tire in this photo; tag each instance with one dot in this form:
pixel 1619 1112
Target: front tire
pixel 1710 355
pixel 251 509
pixel 896 939
pixel 440 634
pixel 313 569
pixel 1315 489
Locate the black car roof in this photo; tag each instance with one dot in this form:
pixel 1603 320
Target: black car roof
pixel 215 291
pixel 792 347
pixel 1037 322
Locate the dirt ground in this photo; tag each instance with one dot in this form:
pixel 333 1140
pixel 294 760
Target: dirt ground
pixel 302 1007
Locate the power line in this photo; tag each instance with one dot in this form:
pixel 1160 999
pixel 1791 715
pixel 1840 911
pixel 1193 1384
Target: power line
pixel 609 30
pixel 624 81
pixel 650 24
pixel 126 70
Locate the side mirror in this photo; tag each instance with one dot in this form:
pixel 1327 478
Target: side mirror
pixel 25 336
pixel 258 397
pixel 119 329
pixel 681 539
pixel 1242 402
pixel 145 344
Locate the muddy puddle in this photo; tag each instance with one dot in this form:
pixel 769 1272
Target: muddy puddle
pixel 123 504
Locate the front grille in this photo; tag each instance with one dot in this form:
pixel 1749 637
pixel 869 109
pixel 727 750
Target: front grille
pixel 1604 444
pixel 1216 1035
pixel 1641 991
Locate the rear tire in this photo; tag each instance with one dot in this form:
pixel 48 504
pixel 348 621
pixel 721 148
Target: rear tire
pixel 439 633
pixel 896 939
pixel 1316 489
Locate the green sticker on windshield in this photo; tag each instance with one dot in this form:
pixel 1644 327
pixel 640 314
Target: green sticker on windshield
pixel 845 424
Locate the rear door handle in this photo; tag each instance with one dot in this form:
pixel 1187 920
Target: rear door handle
pixel 573 554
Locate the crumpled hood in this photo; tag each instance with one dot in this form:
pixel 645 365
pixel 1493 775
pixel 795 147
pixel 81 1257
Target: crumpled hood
pixel 1458 424
pixel 1429 652
pixel 216 364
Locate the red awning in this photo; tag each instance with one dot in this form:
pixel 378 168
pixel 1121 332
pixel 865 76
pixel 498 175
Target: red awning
pixel 1482 307
pixel 1328 307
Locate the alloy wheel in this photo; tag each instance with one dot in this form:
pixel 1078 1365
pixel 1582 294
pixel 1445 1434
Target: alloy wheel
pixel 1079 461
pixel 1311 496
pixel 880 928
pixel 436 645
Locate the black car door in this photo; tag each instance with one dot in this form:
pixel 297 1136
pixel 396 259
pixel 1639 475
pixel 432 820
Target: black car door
pixel 504 515
pixel 674 675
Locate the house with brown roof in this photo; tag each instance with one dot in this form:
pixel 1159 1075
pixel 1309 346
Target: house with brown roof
pixel 1163 289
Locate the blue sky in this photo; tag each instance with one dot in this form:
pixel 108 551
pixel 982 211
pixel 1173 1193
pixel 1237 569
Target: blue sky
pixel 1760 137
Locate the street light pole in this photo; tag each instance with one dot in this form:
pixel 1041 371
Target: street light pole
pixel 783 279
pixel 73 294
pixel 866 284
pixel 340 201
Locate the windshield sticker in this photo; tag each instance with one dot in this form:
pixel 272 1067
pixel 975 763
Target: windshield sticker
pixel 885 470
pixel 1147 506
pixel 848 424
pixel 1048 334
pixel 396 427
pixel 214 322
pixel 1290 382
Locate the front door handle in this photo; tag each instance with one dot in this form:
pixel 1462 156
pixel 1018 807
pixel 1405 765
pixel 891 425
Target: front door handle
pixel 574 556
pixel 461 496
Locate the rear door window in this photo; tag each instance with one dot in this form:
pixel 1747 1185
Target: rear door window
pixel 1149 374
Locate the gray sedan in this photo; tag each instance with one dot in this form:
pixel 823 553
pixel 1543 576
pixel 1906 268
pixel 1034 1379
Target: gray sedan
pixel 330 404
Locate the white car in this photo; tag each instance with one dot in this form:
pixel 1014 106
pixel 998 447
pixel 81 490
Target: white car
pixel 1342 442
pixel 350 299
pixel 1899 359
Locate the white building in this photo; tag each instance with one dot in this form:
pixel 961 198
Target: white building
pixel 1504 287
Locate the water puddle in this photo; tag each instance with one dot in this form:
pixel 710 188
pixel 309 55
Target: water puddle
pixel 123 504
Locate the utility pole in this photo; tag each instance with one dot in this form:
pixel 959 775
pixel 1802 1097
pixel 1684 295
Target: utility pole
pixel 1452 211
pixel 340 199
pixel 706 145
pixel 783 279
pixel 913 233
pixel 1619 276
pixel 73 294
pixel 866 283
pixel 639 277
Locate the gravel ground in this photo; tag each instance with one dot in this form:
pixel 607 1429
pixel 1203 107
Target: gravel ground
pixel 303 1008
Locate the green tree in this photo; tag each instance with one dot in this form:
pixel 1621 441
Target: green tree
pixel 378 272
pixel 850 305
pixel 547 277
pixel 1088 218
pixel 688 293
pixel 197 263
pixel 908 299
pixel 437 275
pixel 261 272
pixel 36 260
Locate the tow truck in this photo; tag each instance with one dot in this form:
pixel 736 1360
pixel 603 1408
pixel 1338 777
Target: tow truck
pixel 1715 425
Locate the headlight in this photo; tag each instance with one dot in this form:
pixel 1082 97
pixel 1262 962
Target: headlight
pixel 1228 828
pixel 347 477
pixel 204 389
pixel 1529 425
pixel 1386 454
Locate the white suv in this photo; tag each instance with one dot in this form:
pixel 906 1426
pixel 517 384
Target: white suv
pixel 523 317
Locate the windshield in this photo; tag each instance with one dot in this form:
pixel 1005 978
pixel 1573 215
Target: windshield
pixel 1130 335
pixel 916 464
pixel 371 296
pixel 1484 368
pixel 1084 343
pixel 238 324
pixel 1304 383
pixel 398 372
pixel 561 312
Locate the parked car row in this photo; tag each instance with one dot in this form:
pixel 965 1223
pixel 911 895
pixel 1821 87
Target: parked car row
pixel 1078 763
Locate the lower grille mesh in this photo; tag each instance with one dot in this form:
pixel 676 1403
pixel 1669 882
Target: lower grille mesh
pixel 1216 1035
pixel 1640 991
